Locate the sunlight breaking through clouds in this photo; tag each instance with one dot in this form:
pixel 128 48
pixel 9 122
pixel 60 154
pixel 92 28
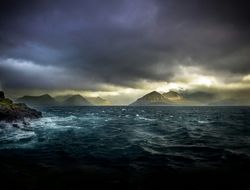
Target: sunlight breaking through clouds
pixel 124 48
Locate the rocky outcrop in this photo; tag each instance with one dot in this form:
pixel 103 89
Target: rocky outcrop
pixel 2 95
pixel 10 112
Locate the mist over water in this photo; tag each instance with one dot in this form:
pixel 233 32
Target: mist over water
pixel 131 141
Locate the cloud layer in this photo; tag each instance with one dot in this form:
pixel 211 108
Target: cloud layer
pixel 89 45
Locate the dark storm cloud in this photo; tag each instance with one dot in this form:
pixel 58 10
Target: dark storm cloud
pixel 120 42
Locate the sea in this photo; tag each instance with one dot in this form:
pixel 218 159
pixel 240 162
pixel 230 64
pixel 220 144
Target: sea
pixel 122 147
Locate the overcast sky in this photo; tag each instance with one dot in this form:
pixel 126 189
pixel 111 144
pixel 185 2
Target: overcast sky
pixel 122 49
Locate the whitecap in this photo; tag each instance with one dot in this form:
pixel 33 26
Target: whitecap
pixel 11 134
pixel 143 118
pixel 146 119
pixel 203 122
pixel 55 122
pixel 20 135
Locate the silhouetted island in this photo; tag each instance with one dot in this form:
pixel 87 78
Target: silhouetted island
pixel 152 99
pixel 76 100
pixel 34 101
pixel 64 100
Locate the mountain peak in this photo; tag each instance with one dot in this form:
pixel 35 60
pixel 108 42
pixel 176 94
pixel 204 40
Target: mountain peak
pixel 98 101
pixel 172 94
pixel 76 96
pixel 45 96
pixel 76 100
pixel 152 98
pixel 153 93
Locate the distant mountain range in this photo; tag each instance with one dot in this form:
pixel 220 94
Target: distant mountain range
pixel 171 98
pixel 45 100
pixel 197 98
pixel 153 98
pixel 67 100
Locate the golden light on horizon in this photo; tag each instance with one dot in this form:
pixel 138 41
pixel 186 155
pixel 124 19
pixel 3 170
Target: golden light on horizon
pixel 246 78
pixel 204 81
pixel 186 78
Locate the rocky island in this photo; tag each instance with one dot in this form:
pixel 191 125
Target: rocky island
pixel 152 99
pixel 12 112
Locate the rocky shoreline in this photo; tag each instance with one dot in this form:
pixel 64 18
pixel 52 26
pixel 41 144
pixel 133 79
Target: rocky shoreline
pixel 16 112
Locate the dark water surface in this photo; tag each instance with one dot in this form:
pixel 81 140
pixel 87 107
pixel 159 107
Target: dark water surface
pixel 129 148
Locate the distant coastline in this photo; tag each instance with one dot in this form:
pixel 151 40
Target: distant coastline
pixel 154 98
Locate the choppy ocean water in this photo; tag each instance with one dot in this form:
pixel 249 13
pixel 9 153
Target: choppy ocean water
pixel 129 147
